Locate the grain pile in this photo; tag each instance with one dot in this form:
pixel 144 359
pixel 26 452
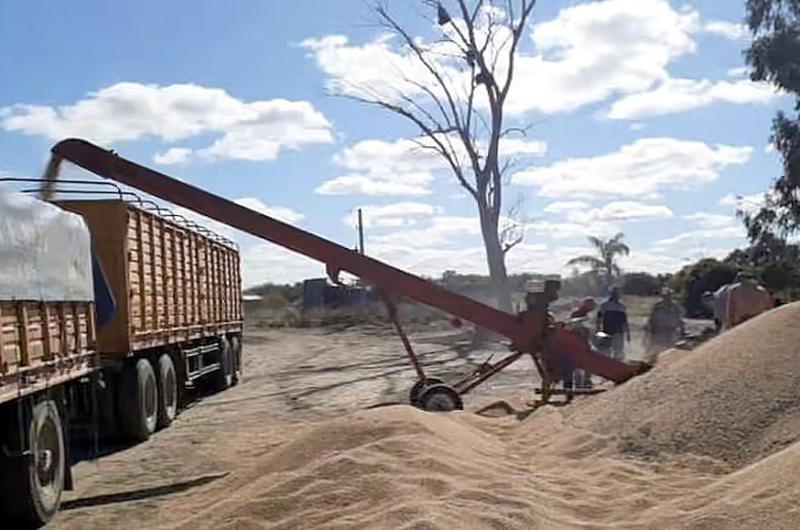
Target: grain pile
pixel 708 439
pixel 736 398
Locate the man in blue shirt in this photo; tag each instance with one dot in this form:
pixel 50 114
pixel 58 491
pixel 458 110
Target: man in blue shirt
pixel 612 319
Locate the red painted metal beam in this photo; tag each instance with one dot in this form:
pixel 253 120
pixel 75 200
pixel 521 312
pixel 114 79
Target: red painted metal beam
pixel 109 165
pixel 527 333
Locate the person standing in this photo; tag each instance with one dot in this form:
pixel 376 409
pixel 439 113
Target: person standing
pixel 612 319
pixel 665 324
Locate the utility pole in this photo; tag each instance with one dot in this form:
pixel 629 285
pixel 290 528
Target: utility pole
pixel 360 232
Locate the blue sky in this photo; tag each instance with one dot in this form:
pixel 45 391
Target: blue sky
pixel 639 112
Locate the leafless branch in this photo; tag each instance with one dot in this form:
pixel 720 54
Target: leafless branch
pixel 433 134
pixel 513 231
pixel 527 8
pixel 419 53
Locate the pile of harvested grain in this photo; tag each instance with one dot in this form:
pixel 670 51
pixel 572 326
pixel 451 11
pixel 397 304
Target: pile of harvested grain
pixel 722 407
pixel 764 495
pixel 735 398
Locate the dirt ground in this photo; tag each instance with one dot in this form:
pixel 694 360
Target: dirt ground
pixel 293 378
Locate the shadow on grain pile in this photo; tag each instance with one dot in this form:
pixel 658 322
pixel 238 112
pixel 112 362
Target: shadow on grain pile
pixel 708 439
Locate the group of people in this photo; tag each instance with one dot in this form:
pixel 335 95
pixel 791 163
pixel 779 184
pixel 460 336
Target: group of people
pixel 731 304
pixel 663 328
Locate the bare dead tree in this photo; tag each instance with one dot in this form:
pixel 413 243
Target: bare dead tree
pixel 457 103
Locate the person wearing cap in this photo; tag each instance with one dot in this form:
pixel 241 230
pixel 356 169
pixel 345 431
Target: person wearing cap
pixel 612 319
pixel 746 299
pixel 665 324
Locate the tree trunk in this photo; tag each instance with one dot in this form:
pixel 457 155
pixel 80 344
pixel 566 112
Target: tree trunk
pixel 495 259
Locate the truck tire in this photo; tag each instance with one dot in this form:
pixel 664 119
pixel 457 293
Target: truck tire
pixel 236 351
pixel 34 484
pixel 138 401
pixel 223 378
pixel 167 391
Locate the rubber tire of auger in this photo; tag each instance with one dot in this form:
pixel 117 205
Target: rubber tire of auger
pixel 236 351
pixel 30 505
pixel 138 380
pixel 167 391
pixel 426 399
pixel 223 378
pixel 419 386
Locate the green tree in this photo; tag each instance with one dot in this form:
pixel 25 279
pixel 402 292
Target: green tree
pixel 693 280
pixel 780 275
pixel 604 262
pixel 774 56
pixel 640 284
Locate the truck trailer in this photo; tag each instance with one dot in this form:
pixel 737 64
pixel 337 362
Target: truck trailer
pixel 111 310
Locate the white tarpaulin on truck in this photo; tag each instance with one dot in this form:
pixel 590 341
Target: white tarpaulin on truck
pixel 45 252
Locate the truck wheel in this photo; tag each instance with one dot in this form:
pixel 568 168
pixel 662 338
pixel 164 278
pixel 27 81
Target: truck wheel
pixel 167 391
pixel 138 401
pixel 35 483
pixel 236 351
pixel 224 376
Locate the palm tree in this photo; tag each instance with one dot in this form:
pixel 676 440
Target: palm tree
pixel 604 263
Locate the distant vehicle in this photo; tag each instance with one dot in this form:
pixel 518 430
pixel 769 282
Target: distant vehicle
pixel 321 293
pixel 110 310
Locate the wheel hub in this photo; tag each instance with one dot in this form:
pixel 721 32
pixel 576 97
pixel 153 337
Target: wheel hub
pixel 441 402
pixel 45 460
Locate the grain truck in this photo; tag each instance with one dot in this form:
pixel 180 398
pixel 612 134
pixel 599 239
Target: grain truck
pixel 111 310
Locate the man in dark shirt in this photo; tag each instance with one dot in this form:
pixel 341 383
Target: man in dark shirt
pixel 612 319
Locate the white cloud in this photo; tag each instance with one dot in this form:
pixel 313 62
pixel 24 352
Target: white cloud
pixel 264 262
pixel 529 257
pixel 581 213
pixel 403 166
pixel 593 50
pixel 698 237
pixel 392 215
pixel 746 203
pixel 739 71
pixel 255 130
pixel 282 213
pixel 431 261
pixel 568 229
pixel 642 168
pixel 708 220
pixel 442 231
pixel 680 95
pixel 623 211
pixel 522 147
pixel 654 261
pixel 378 167
pixel 729 30
pixel 399 156
pixel 565 206
pixel 173 155
pixel 364 185
pixel 586 54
